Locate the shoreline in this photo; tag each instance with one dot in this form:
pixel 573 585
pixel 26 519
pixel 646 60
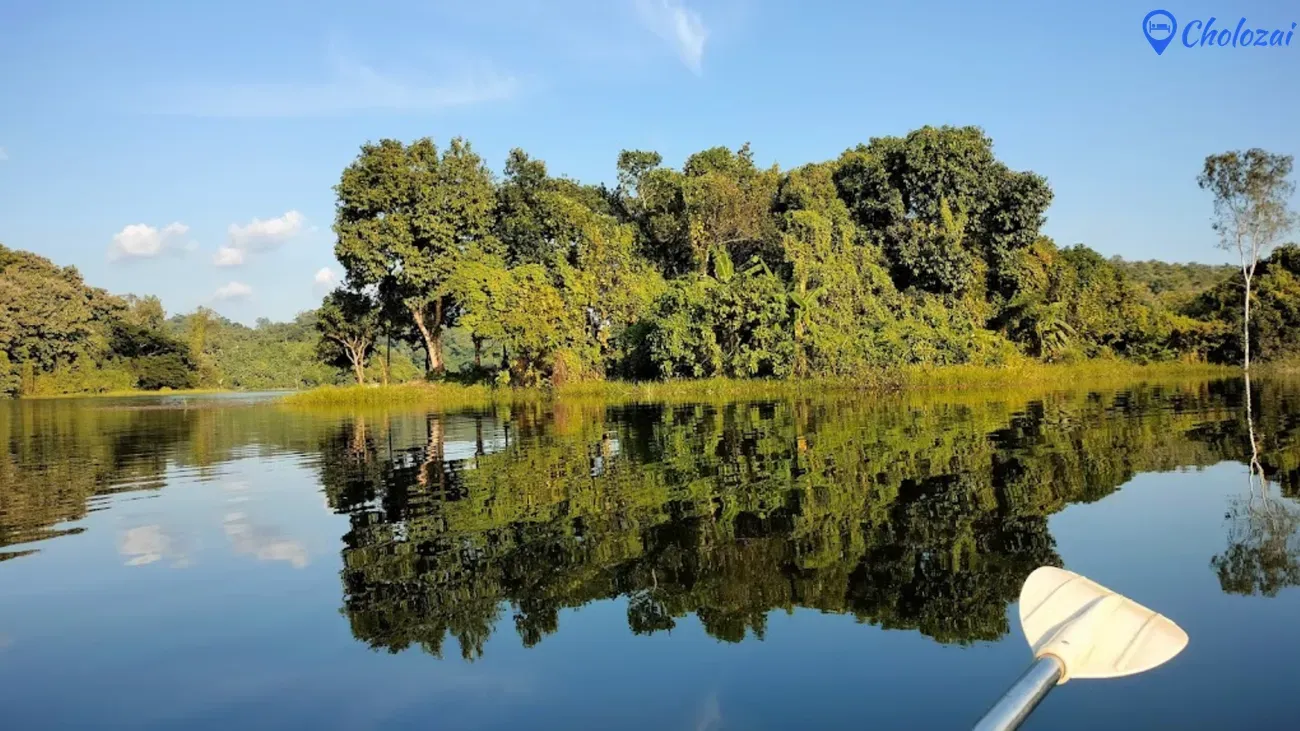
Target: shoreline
pixel 130 393
pixel 918 379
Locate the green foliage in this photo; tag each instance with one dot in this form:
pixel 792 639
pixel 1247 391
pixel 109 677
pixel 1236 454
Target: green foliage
pixel 739 327
pixel 1275 310
pixel 1252 193
pixel 906 251
pixel 405 216
pixel 348 323
pixel 913 251
pixel 265 357
pixel 922 515
pixel 58 335
pixel 157 359
pixel 50 317
pixel 942 207
pixel 1175 284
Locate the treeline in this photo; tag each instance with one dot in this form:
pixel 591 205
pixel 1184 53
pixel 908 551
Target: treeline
pixel 923 249
pixel 59 335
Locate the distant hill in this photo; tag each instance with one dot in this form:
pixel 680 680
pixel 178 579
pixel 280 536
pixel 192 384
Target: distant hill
pixel 1176 283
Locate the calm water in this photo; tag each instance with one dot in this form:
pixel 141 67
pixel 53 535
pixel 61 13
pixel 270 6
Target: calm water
pixel 843 563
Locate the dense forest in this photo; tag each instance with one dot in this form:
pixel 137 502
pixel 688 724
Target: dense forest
pixel 921 249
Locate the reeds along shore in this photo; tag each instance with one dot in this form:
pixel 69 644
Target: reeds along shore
pixel 935 379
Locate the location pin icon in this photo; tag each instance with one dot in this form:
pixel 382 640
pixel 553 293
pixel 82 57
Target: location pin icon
pixel 1159 27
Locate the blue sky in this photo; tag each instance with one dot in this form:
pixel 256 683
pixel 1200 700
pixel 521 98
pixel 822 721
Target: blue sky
pixel 189 149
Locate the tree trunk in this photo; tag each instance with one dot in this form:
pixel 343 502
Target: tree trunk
pixel 358 368
pixel 431 333
pixel 388 355
pixel 478 352
pixel 436 364
pixel 1245 326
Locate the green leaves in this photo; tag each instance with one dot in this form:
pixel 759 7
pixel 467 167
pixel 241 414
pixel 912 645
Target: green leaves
pixel 405 215
pixel 348 323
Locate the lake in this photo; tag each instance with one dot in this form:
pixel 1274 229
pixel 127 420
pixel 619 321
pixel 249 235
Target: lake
pixel 848 562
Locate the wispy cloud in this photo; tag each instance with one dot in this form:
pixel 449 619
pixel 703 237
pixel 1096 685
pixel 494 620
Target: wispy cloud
pixel 258 235
pixel 679 25
pixel 352 87
pixel 142 241
pixel 232 291
pixel 228 256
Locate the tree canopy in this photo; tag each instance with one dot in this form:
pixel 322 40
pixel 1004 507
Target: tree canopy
pixel 924 249
pixel 921 249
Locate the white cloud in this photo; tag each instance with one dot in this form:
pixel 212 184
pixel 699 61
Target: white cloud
pixel 228 256
pixel 141 241
pixel 4 154
pixel 258 235
pixel 233 291
pixel 679 25
pixel 326 277
pixel 353 87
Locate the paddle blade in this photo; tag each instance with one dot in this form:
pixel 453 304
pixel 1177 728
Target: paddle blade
pixel 1093 631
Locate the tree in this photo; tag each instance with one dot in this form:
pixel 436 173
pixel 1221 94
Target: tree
pixel 728 204
pixel 147 311
pixel 1251 192
pixel 348 323
pixel 479 285
pixel 521 217
pixel 404 216
pixel 51 316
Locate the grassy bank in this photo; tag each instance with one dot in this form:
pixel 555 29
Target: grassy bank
pixel 1287 368
pixel 934 379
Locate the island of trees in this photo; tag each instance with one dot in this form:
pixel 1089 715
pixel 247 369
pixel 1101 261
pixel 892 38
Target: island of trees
pixel 922 249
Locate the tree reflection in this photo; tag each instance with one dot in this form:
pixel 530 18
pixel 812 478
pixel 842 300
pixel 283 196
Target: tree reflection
pixel 921 516
pixel 910 513
pixel 1263 553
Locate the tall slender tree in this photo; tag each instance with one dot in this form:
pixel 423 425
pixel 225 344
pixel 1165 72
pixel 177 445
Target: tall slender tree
pixel 1251 213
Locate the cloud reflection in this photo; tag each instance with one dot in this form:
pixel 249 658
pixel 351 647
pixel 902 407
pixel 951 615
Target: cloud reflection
pixel 264 543
pixel 148 544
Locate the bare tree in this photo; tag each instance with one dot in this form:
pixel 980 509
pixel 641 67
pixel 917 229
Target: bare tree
pixel 1251 214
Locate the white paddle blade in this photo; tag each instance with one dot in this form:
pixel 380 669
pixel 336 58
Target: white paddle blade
pixel 1093 631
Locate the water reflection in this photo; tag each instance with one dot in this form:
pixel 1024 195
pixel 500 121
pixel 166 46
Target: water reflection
pixel 146 544
pixel 911 516
pixel 1263 554
pixel 918 514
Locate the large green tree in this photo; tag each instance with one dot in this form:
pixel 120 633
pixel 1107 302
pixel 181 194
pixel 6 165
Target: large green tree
pixel 405 215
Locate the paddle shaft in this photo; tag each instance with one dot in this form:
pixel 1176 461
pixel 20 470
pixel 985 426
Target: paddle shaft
pixel 1019 701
